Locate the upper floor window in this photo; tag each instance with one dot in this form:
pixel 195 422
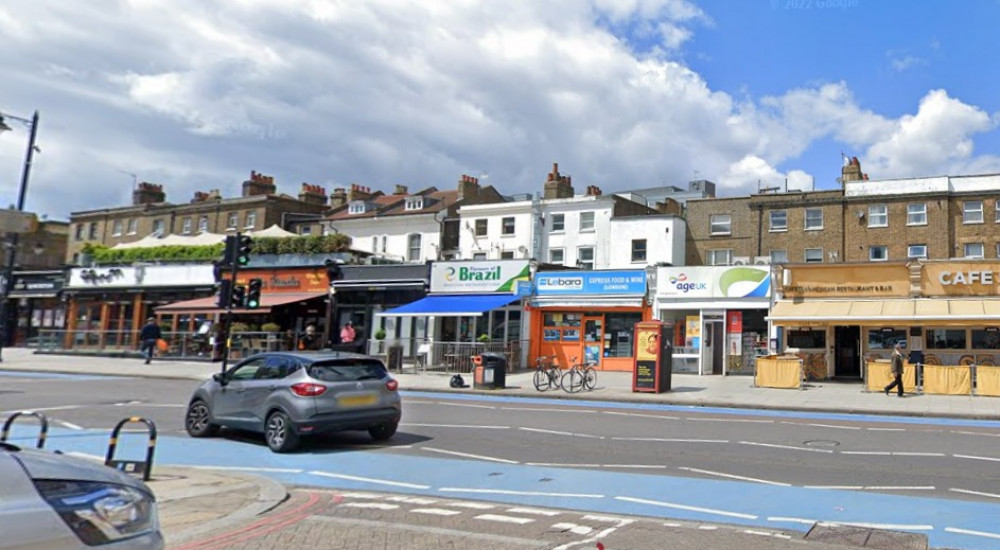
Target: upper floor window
pixel 814 220
pixel 916 214
pixel 414 203
pixel 133 226
pixel 720 257
pixel 203 224
pixel 586 221
pixel 158 227
pixel 481 227
pixel 974 251
pixel 585 257
pixel 507 226
pixel 972 212
pixel 374 244
pixel 813 255
pixel 305 230
pixel 721 224
pixel 116 228
pixel 79 231
pixel 92 234
pixel 916 251
pixel 186 226
pixel 638 250
pixel 507 255
pixel 232 220
pixel 779 220
pixel 558 222
pixel 479 256
pixel 996 206
pixel 385 239
pixel 878 253
pixel 413 248
pixel 878 215
pixel 557 256
pixel 779 256
pixel 356 207
pixel 251 220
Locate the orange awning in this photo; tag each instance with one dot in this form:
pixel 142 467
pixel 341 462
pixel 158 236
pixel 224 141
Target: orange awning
pixel 267 301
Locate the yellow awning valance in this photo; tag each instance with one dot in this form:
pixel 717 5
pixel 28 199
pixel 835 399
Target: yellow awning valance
pixel 938 311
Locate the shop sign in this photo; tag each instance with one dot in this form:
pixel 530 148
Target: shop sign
pixel 478 276
pixel 961 279
pixel 591 282
pixel 714 282
pixel 845 281
pixel 37 284
pixel 141 276
pixel 287 280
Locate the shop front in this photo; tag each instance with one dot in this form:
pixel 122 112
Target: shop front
pixel 838 317
pixel 718 314
pixel 360 292
pixel 588 317
pixel 35 303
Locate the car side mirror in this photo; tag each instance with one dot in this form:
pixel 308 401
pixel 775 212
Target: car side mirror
pixel 220 378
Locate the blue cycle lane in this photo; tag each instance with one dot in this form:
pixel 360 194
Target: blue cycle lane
pixel 951 523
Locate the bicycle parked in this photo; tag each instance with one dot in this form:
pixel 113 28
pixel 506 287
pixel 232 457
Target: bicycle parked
pixel 579 377
pixel 548 375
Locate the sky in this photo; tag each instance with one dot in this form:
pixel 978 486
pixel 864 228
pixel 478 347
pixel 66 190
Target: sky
pixel 623 94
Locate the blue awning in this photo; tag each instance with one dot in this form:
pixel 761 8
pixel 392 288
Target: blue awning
pixel 463 305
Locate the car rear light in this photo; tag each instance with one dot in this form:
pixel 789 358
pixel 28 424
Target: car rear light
pixel 306 389
pixel 392 385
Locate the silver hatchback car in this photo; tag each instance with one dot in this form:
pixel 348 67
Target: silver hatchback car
pixel 287 395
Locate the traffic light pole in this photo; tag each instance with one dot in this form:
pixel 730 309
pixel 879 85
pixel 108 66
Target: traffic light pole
pixel 227 323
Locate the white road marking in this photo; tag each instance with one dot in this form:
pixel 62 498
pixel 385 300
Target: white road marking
pixel 889 526
pixel 385 526
pixel 904 453
pixel 507 492
pixel 573 528
pixel 126 403
pixel 435 511
pixel 249 469
pixel 450 404
pixel 707 527
pixel 671 524
pixel 369 480
pixel 637 466
pixel 59 408
pixel 607 519
pixel 891 453
pixel 555 432
pixel 974 533
pixel 790 520
pixel 886 429
pixel 977 493
pixel 656 416
pixel 977 458
pixel 411 500
pixel 745 420
pixel 168 405
pixel 354 494
pixel 835 487
pixel 85 455
pixel 731 476
pixel 69 425
pixel 505 519
pixel 978 433
pixel 370 505
pixel 871 487
pixel 823 425
pixel 468 455
pixel 472 505
pixel 531 409
pixel 766 534
pixel 562 465
pixel 669 440
pixel 456 426
pixel 536 511
pixel 597 536
pixel 689 508
pixel 789 447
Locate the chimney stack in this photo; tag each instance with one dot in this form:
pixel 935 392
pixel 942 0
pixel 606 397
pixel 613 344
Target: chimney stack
pixel 401 190
pixel 148 193
pixel 259 184
pixel 468 187
pixel 313 194
pixel 558 186
pixel 852 171
pixel 669 206
pixel 359 193
pixel 338 198
pixel 593 190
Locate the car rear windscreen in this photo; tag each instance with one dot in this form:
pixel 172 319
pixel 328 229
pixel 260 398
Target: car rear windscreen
pixel 347 370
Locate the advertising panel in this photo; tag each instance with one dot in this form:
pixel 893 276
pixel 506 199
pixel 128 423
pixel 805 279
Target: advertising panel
pixel 563 283
pixel 714 282
pixel 478 276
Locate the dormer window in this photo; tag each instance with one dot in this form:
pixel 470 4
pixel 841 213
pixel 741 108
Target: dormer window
pixel 415 203
pixel 357 207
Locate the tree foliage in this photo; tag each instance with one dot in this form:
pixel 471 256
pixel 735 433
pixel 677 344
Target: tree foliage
pixel 312 244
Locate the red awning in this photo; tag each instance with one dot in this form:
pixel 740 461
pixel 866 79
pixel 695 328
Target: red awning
pixel 267 301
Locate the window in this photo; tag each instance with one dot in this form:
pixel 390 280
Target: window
pixel 507 226
pixel 720 257
pixel 414 248
pixel 558 222
pixel 585 257
pixel 974 250
pixel 251 220
pixel 158 227
pixel 507 255
pixel 916 214
pixel 996 206
pixel 618 332
pixel 779 220
pixel 972 212
pixel 814 220
pixel 186 226
pixel 557 256
pixel 133 226
pixel 479 256
pixel 233 219
pixel 916 251
pixel 414 203
pixel 385 240
pixel 481 227
pixel 721 224
pixel 885 338
pixel 779 256
pixel 940 338
pixel 374 244
pixel 305 230
pixel 79 232
pixel 878 253
pixel 357 207
pixel 116 228
pixel 586 221
pixel 878 215
pixel 986 338
pixel 92 233
pixel 807 339
pixel 814 255
pixel 203 224
pixel 638 250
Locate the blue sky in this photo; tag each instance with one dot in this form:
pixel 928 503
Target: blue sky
pixel 621 93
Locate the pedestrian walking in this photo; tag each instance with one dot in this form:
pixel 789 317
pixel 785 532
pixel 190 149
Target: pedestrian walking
pixel 896 365
pixel 347 333
pixel 149 335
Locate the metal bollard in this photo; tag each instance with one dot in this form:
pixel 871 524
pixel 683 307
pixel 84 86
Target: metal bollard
pixel 43 428
pixel 145 468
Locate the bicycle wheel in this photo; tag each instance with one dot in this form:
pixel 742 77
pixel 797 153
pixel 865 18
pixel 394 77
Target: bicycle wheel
pixel 541 380
pixel 589 378
pixel 572 381
pixel 555 378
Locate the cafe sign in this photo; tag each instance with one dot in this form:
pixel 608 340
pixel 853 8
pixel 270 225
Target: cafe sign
pixel 960 279
pixel 478 276
pixel 844 281
pixel 287 280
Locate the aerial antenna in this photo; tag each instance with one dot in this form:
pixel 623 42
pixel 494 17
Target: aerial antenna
pixel 135 178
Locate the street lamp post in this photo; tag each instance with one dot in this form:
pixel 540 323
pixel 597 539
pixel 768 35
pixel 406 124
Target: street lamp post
pixel 21 193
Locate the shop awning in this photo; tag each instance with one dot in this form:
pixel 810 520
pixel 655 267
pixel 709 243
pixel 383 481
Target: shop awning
pixel 941 311
pixel 589 301
pixel 466 305
pixel 267 301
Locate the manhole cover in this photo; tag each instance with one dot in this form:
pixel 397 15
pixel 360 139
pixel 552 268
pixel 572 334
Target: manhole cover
pixel 822 443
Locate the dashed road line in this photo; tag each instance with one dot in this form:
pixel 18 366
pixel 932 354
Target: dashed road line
pixel 669 440
pixel 789 447
pixel 573 528
pixel 504 519
pixel 509 492
pixel 411 500
pixel 976 433
pixel 469 405
pixel 472 505
pixel 535 511
pixel 556 432
pixel 871 487
pixel 970 532
pixel 731 476
pixel 370 505
pixel 533 409
pixel 885 526
pixel 971 457
pixel 455 426
pixel 743 420
pixel 469 455
pixel 892 453
pixel 249 469
pixel 767 534
pixel 369 480
pixel 676 506
pixel 435 511
pixel 886 429
pixel 640 415
pixel 977 493
pixel 834 426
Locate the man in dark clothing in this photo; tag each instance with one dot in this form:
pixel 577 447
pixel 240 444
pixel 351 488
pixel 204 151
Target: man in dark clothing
pixel 149 334
pixel 896 362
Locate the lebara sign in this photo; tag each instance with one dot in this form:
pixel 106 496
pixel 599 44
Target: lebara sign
pixel 478 276
pixel 591 282
pixel 714 282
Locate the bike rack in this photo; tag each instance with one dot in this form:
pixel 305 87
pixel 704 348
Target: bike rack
pixel 144 467
pixel 43 428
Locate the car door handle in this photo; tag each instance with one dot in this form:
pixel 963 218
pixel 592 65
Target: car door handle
pixel 272 388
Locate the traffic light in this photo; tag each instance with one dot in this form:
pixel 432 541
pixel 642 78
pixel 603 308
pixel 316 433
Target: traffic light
pixel 225 293
pixel 229 252
pixel 244 243
pixel 239 296
pixel 333 271
pixel 254 287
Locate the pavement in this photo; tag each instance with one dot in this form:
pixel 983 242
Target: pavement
pixel 197 505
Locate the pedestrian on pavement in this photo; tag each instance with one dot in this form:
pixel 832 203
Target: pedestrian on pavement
pixel 309 339
pixel 347 333
pixel 149 335
pixel 896 365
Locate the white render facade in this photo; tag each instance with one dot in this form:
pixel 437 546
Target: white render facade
pixel 409 239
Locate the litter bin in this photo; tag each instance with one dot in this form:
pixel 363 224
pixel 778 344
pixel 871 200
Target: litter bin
pixel 394 358
pixel 491 371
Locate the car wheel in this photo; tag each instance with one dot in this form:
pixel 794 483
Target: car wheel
pixel 279 433
pixel 198 420
pixel 383 431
